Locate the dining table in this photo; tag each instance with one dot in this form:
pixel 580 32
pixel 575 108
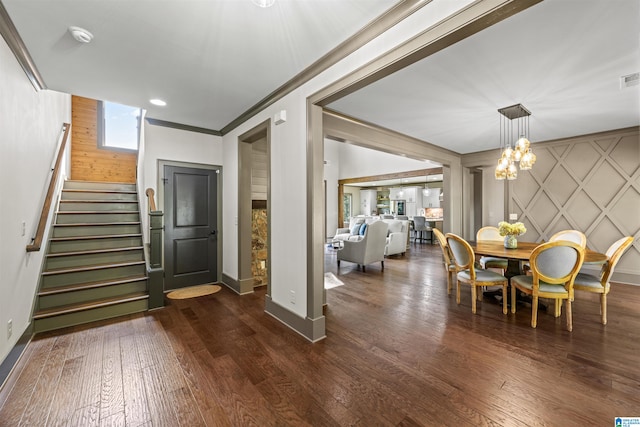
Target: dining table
pixel 516 256
pixel 521 253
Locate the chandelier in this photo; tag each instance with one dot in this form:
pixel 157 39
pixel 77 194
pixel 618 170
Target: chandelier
pixel 520 152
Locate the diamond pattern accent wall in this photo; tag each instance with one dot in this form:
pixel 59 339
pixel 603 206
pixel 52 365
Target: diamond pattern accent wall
pixel 591 184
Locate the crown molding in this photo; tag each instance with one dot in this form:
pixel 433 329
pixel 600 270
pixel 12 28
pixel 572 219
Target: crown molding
pixel 180 126
pixel 17 46
pixel 376 27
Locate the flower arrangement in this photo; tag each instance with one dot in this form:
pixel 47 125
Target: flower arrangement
pixel 515 229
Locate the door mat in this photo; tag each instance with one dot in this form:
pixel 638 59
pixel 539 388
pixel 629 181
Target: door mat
pixel 331 281
pixel 194 291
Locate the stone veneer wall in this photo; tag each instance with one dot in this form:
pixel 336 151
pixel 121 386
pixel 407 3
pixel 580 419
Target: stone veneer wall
pixel 259 246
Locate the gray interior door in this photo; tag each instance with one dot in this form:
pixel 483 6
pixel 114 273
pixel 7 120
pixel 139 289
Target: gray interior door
pixel 190 242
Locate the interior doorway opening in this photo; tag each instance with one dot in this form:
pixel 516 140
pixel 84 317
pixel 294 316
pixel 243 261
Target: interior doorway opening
pixel 254 245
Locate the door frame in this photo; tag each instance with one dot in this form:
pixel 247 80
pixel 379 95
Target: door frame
pixel 160 194
pixel 244 284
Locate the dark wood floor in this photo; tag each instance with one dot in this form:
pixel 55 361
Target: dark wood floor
pixel 399 352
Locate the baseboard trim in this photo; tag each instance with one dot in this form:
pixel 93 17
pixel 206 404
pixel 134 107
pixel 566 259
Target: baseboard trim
pixel 311 329
pixel 626 278
pixel 241 287
pixel 10 362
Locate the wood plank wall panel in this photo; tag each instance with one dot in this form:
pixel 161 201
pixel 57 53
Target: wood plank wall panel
pixel 88 162
pixel 589 183
pixel 259 170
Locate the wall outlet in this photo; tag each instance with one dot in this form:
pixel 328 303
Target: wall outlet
pixel 24 228
pixel 292 297
pixel 9 328
pixel 513 217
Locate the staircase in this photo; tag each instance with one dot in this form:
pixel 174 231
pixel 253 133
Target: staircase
pixel 94 267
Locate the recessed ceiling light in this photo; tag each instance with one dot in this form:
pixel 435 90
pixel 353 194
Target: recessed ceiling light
pixel 158 102
pixel 80 34
pixel 264 3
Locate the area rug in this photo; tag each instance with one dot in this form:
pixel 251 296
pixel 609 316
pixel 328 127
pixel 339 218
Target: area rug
pixel 331 281
pixel 193 292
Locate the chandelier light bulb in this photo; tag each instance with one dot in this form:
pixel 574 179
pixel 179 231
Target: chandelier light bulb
pixel 517 155
pixel 523 143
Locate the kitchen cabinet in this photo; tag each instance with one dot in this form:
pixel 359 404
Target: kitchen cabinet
pixel 411 209
pixel 368 202
pixel 410 194
pixel 432 200
pixel 394 193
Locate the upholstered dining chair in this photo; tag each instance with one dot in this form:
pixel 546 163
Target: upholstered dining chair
pixel 464 258
pixel 449 265
pixel 491 233
pixel 574 236
pixel 600 284
pixel 555 266
pixel 420 226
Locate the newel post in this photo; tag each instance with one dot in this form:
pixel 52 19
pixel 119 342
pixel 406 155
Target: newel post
pixel 155 272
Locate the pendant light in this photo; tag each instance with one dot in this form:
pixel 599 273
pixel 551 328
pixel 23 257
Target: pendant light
pixel 521 151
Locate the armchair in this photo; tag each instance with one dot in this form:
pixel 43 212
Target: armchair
pixel 367 250
pixel 397 238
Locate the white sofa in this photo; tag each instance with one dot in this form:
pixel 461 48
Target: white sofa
pixel 397 234
pixel 352 233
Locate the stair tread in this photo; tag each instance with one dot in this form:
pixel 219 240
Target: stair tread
pixel 89 190
pixel 103 302
pixel 95 212
pixel 93 224
pixel 100 236
pixel 97 201
pixel 90 285
pixel 90 268
pixel 94 251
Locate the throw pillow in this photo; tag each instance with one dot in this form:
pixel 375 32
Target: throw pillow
pixel 355 230
pixel 363 228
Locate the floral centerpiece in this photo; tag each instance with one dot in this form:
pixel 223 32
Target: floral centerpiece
pixel 511 231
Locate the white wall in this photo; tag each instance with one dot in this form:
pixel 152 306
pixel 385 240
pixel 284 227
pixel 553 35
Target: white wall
pixel 163 143
pixel 288 217
pixel 357 161
pixel 30 124
pixel 331 174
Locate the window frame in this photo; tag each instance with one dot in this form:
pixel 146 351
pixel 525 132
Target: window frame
pixel 101 128
pixel 347 199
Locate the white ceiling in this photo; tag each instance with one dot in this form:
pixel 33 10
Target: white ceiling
pixel 211 60
pixel 561 59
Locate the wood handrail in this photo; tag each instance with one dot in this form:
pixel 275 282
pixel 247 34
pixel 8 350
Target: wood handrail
pixel 37 240
pixel 152 202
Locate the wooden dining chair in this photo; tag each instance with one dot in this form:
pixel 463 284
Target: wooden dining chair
pixel 600 284
pixel 493 234
pixel 464 258
pixel 449 265
pixel 555 266
pixel 574 236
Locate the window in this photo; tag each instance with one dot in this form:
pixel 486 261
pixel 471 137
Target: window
pixel 118 126
pixel 346 206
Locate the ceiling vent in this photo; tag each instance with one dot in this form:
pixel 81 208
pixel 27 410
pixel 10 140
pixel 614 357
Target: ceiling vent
pixel 629 80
